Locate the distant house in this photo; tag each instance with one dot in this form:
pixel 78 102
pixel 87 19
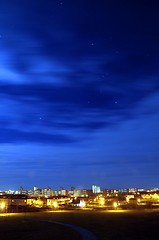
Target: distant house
pixel 3 203
pixel 9 202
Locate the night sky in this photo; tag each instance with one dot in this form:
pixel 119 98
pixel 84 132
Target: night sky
pixel 79 93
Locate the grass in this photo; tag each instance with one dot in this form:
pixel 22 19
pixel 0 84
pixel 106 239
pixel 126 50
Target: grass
pixel 107 225
pixel 18 227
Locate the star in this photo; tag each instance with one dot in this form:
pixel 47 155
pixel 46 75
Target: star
pixel 60 3
pixel 92 43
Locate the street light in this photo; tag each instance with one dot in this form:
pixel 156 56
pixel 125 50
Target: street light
pixel 115 205
pixel 82 203
pixel 101 201
pixel 2 206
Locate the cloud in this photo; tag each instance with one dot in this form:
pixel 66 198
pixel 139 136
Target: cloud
pixel 56 83
pixel 55 113
pixel 20 137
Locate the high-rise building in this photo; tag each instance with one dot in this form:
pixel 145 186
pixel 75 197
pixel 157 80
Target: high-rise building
pixel 96 189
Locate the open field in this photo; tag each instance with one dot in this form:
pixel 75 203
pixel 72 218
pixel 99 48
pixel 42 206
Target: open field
pixel 107 225
pixel 16 226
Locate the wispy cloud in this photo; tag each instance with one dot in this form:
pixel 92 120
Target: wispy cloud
pixel 75 73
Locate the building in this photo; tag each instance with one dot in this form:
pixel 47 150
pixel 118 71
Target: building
pixel 96 189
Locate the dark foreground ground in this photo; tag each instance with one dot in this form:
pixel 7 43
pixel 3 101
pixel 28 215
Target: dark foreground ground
pixel 20 227
pixel 108 225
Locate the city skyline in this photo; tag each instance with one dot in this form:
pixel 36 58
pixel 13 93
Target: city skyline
pixel 70 189
pixel 79 93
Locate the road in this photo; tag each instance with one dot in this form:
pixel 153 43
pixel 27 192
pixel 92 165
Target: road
pixel 84 233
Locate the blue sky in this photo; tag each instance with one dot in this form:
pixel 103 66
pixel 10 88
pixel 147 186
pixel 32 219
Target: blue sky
pixel 79 93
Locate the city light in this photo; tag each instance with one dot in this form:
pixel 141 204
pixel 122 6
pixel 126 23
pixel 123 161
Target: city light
pixel 115 204
pixel 138 200
pixel 82 203
pixel 86 199
pixel 55 204
pixel 101 201
pixel 2 206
